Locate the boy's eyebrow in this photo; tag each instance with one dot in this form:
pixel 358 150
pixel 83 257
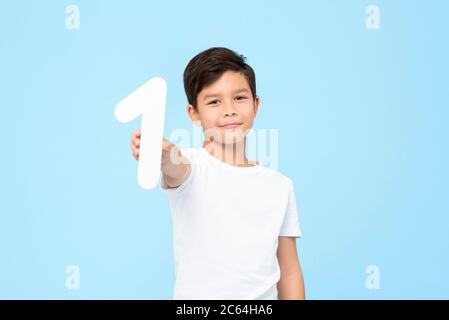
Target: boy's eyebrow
pixel 217 94
pixel 240 90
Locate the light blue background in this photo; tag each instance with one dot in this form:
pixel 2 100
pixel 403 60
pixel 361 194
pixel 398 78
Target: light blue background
pixel 363 127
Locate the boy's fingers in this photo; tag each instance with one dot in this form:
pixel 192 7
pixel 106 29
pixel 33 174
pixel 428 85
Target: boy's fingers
pixel 135 142
pixel 135 137
pixel 166 144
pixel 136 134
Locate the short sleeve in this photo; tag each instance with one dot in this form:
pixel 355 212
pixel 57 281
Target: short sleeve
pixel 163 186
pixel 290 226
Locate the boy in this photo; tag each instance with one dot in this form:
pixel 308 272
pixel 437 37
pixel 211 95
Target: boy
pixel 235 222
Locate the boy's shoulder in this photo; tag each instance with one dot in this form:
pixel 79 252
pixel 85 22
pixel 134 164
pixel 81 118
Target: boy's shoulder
pixel 278 175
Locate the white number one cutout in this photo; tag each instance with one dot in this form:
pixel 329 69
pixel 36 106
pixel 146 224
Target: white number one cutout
pixel 148 101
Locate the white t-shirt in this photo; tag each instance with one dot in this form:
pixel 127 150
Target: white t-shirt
pixel 226 224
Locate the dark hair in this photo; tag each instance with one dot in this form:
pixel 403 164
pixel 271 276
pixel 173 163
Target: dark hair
pixel 208 66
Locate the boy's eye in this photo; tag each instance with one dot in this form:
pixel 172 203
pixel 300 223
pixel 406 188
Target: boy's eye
pixel 213 102
pixel 241 98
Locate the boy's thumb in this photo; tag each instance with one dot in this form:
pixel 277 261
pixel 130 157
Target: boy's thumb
pixel 166 145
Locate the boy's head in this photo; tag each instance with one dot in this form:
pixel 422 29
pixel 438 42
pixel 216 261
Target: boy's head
pixel 221 90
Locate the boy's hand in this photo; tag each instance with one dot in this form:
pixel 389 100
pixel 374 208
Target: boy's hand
pixel 174 166
pixel 166 147
pixel 135 144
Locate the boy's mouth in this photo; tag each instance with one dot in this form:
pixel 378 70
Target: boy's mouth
pixel 231 125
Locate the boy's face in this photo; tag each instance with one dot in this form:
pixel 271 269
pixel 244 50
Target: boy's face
pixel 226 101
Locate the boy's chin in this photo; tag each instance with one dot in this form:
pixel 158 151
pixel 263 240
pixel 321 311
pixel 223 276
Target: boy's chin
pixel 227 136
pixel 229 139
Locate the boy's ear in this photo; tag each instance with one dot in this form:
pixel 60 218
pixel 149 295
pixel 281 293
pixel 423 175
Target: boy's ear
pixel 193 114
pixel 256 104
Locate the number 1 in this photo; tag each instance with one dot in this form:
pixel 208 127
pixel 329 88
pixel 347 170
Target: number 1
pixel 149 101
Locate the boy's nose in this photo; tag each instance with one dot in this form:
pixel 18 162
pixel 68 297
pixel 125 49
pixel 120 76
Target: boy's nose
pixel 229 110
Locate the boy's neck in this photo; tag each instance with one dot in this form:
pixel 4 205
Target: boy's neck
pixel 233 154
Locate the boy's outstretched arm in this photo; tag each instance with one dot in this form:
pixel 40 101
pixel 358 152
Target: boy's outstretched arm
pixel 291 284
pixel 174 166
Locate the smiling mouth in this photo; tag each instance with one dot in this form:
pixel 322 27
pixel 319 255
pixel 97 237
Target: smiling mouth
pixel 231 126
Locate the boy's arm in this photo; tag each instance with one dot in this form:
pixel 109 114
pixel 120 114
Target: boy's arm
pixel 291 284
pixel 174 166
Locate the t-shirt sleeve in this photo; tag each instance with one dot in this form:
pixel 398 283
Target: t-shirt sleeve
pixel 290 226
pixel 189 155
